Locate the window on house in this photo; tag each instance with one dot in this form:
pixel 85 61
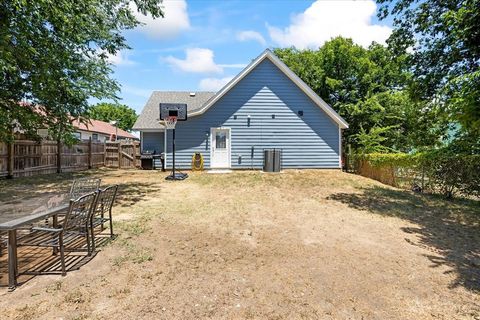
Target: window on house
pixel 78 135
pixel 95 137
pixel 220 140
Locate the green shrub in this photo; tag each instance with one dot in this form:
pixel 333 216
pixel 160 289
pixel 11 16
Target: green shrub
pixel 442 170
pixel 451 173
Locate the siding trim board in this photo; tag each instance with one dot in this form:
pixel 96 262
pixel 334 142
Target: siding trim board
pixel 340 147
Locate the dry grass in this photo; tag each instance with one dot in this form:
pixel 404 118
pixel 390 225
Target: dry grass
pixel 300 244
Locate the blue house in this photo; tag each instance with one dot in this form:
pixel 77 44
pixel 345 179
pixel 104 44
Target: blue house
pixel 264 106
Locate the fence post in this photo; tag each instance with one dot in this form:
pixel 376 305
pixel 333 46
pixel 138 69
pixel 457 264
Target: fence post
pixel 134 154
pixel 59 156
pixel 119 154
pixel 90 160
pixel 10 159
pixel 105 153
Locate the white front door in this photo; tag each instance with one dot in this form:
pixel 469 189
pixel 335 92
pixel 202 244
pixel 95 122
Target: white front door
pixel 220 148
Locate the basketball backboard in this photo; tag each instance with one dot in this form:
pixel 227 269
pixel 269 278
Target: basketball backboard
pixel 178 110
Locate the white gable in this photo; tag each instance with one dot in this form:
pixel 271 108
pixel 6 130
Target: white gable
pixel 267 54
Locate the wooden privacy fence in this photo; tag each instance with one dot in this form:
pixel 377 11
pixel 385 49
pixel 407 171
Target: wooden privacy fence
pixel 122 155
pixel 28 158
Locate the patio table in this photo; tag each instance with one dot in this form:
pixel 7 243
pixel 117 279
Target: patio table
pixel 12 221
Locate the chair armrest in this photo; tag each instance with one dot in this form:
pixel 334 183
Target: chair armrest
pixel 47 229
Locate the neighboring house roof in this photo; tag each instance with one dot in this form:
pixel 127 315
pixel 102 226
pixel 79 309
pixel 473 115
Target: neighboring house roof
pixel 149 118
pixel 102 127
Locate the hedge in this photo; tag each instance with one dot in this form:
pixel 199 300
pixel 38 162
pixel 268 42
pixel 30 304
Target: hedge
pixel 441 171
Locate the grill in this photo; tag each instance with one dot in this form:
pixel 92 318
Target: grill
pixel 148 159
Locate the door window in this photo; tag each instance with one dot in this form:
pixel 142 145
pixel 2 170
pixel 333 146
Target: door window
pixel 221 140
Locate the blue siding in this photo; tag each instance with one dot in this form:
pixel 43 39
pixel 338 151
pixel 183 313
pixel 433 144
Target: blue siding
pixel 308 141
pixel 153 141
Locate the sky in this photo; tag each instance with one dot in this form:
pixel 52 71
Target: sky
pixel 200 45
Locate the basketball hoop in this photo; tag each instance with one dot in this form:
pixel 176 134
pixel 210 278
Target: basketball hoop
pixel 170 113
pixel 170 122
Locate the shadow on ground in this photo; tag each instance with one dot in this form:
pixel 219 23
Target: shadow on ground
pixel 449 229
pixel 38 188
pixel 31 193
pixel 34 261
pixel 132 192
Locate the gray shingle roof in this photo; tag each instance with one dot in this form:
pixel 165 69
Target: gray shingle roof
pixel 150 115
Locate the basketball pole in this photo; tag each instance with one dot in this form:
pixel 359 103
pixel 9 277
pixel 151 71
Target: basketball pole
pixel 175 176
pixel 173 158
pixel 170 113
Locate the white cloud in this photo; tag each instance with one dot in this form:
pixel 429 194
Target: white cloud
pixel 175 20
pixel 136 91
pixel 197 60
pixel 121 59
pixel 251 35
pixel 213 84
pixel 326 19
pixel 233 65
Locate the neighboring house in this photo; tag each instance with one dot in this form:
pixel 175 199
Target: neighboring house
pixel 96 129
pixel 100 131
pixel 264 106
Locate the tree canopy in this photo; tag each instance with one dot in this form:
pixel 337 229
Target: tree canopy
pixel 124 115
pixel 54 55
pixel 369 89
pixel 443 38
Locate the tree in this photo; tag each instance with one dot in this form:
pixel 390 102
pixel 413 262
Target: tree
pixel 124 115
pixel 54 54
pixel 444 38
pixel 369 89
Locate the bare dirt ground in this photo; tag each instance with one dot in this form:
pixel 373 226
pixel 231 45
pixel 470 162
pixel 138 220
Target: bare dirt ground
pixel 249 245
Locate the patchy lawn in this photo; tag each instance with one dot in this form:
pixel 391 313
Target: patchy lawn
pixel 300 244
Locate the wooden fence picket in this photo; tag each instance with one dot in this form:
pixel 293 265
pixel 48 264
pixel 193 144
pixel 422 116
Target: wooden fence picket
pixel 29 158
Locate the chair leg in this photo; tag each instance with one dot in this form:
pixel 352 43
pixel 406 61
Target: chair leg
pixel 55 225
pixel 62 254
pixel 93 237
pixel 88 241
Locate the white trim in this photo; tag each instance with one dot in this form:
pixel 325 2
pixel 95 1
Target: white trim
pixel 340 147
pixel 151 130
pixel 289 73
pixel 229 146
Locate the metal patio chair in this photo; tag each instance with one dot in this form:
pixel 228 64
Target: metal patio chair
pixel 75 225
pixel 80 187
pixel 83 186
pixel 102 212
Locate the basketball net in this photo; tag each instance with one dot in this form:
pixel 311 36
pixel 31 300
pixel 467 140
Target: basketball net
pixel 170 122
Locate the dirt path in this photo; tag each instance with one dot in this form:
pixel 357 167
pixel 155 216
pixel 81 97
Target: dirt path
pixel 298 245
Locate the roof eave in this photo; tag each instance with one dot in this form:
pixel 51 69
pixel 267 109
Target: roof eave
pixel 289 73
